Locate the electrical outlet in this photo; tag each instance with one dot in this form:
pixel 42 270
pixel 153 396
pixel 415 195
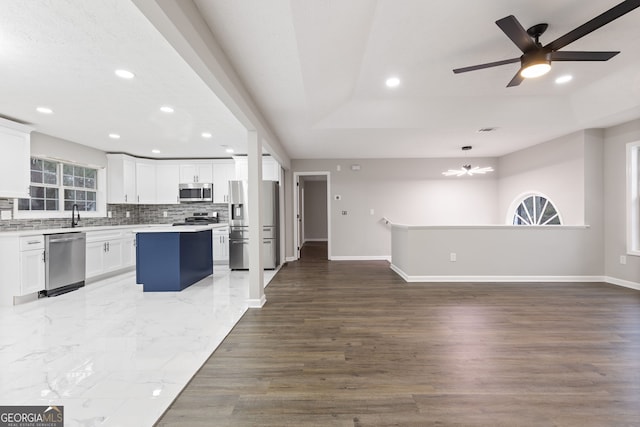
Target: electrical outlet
pixel 623 259
pixel 5 215
pixel 453 257
pixel 127 214
pixel 344 212
pixel 164 214
pixel 109 214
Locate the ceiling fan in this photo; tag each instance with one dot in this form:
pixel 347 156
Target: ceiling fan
pixel 536 59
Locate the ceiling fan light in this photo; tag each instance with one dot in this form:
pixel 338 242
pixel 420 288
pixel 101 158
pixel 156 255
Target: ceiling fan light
pixel 535 64
pixel 535 70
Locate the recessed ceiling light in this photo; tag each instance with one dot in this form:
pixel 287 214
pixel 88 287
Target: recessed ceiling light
pixel 114 136
pixel 125 74
pixel 166 109
pixel 206 135
pixel 392 82
pixel 229 150
pixel 155 151
pixel 44 110
pixel 564 79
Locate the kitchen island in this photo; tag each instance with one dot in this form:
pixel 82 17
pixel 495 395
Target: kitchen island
pixel 170 259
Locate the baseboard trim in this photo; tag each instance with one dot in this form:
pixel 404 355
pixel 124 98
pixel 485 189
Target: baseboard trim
pixel 257 303
pixel 290 259
pixel 622 282
pixel 361 258
pixel 486 279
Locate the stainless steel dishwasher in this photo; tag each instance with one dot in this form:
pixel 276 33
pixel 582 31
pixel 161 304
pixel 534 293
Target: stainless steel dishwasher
pixel 65 262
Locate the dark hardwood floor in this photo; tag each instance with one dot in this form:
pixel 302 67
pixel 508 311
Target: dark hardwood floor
pixel 350 344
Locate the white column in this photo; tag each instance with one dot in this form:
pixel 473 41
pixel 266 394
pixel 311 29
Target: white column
pixel 256 278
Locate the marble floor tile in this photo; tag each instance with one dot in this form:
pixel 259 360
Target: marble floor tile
pixel 111 354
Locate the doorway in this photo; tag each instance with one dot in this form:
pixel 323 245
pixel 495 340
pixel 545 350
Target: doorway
pixel 312 214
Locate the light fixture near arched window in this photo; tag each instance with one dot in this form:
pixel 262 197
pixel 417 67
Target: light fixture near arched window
pixel 535 209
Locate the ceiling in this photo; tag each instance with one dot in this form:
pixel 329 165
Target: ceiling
pixel 62 54
pixel 316 70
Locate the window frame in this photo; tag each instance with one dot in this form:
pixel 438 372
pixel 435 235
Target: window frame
pixel 520 199
pixel 101 201
pixel 633 198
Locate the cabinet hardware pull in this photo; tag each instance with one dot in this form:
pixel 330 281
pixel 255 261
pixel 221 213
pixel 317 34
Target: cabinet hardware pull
pixel 125 197
pixel 33 242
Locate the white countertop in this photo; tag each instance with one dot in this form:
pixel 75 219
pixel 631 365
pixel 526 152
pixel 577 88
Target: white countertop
pixel 136 228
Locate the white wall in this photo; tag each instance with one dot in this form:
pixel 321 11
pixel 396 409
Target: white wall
pixel 554 168
pixel 494 253
pixel 409 191
pixel 49 146
pixel 615 226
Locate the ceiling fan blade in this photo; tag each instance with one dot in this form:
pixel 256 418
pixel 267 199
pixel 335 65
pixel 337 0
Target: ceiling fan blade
pixel 487 65
pixel 597 22
pixel 582 56
pixel 514 30
pixel 516 80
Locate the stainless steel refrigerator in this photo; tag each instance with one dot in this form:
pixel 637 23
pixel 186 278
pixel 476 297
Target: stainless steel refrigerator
pixel 239 225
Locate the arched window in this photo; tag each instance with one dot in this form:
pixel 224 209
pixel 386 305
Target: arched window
pixel 536 209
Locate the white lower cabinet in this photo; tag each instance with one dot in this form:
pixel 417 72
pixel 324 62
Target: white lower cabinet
pixel 128 249
pixel 220 240
pixel 108 251
pixel 21 266
pixel 32 265
pixel 95 258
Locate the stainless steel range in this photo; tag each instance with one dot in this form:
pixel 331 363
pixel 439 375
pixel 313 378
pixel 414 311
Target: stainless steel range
pixel 200 218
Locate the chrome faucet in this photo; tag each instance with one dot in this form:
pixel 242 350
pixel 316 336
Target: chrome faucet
pixel 75 215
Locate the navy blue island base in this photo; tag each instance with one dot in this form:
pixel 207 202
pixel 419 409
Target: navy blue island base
pixel 170 261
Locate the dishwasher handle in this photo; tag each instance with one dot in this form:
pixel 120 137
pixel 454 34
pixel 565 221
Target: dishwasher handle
pixel 66 239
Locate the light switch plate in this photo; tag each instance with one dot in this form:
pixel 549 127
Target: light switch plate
pixel 5 215
pixel 128 214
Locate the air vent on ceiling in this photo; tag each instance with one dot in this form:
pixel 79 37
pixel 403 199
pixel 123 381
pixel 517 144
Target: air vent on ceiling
pixel 487 129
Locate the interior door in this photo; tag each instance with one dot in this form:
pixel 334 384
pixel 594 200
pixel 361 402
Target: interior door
pixel 299 218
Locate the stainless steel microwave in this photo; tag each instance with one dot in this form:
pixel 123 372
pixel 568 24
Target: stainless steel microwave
pixel 195 192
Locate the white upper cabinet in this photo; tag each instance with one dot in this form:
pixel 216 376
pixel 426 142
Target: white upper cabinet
pixel 242 168
pixel 224 170
pixel 121 179
pixel 145 182
pixel 15 140
pixel 167 181
pixel 270 168
pixel 196 172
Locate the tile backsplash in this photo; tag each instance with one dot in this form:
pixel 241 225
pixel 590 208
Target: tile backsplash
pixel 138 214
